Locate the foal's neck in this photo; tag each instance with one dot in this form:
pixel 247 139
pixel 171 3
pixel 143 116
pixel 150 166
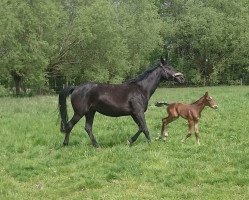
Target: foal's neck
pixel 199 104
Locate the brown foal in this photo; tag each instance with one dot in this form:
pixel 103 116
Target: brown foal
pixel 190 112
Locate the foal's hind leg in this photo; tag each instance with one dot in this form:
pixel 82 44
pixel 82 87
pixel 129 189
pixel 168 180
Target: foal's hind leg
pixel 88 128
pixel 164 131
pixel 69 126
pixel 190 129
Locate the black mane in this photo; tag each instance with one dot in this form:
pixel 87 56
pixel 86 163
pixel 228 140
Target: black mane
pixel 143 75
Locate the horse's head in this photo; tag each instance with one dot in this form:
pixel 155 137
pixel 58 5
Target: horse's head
pixel 209 101
pixel 169 73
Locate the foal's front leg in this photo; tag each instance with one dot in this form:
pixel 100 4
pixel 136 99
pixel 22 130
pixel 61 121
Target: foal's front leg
pixel 197 133
pixel 190 130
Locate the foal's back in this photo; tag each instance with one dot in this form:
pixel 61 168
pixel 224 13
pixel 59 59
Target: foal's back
pixel 185 111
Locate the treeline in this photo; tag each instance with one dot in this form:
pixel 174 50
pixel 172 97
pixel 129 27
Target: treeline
pixel 45 44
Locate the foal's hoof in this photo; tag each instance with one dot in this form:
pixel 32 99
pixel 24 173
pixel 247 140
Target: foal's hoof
pixel 129 143
pixel 158 138
pixel 161 138
pixel 65 143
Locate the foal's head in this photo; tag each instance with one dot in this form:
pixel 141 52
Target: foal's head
pixel 170 73
pixel 209 101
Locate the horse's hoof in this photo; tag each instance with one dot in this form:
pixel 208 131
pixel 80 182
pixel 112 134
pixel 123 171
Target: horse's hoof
pixel 96 146
pixel 65 143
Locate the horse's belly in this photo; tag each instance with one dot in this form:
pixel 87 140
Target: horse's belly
pixel 113 111
pixel 114 114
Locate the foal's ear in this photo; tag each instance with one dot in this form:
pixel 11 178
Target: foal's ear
pixel 163 61
pixel 206 94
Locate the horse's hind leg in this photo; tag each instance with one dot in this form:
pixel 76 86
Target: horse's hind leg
pixel 69 126
pixel 190 129
pixel 197 133
pixel 88 128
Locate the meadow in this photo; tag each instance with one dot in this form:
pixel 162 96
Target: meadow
pixel 35 165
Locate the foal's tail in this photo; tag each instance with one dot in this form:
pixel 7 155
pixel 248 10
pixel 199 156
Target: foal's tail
pixel 160 104
pixel 63 105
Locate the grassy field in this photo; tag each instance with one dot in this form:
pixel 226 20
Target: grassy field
pixel 35 165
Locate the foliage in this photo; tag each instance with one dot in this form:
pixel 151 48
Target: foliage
pixel 35 165
pixel 27 28
pixel 208 36
pixel 3 91
pixel 49 43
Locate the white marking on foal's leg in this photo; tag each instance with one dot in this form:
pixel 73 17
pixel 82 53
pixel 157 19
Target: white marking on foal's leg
pixel 165 135
pixel 197 133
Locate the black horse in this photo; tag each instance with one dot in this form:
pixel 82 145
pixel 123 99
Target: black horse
pixel 129 98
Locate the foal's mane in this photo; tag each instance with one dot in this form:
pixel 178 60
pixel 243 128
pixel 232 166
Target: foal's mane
pixel 143 75
pixel 194 102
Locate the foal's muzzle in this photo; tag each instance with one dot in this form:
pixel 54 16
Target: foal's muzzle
pixel 214 106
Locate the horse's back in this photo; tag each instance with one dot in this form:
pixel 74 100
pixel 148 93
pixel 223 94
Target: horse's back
pixel 108 99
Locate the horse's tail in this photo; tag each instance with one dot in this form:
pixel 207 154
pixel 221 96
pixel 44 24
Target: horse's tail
pixel 63 105
pixel 160 104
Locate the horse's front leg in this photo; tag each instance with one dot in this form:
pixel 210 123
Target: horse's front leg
pixel 140 121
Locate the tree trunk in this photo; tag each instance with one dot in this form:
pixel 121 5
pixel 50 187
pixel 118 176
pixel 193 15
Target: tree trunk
pixel 17 79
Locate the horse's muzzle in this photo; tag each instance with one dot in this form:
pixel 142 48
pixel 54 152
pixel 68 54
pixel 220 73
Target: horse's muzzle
pixel 179 77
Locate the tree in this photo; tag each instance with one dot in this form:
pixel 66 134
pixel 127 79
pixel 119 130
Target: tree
pixel 114 39
pixel 27 46
pixel 204 38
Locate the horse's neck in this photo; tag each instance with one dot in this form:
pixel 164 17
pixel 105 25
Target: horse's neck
pixel 151 82
pixel 199 105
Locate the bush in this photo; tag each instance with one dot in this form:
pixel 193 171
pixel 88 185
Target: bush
pixel 3 91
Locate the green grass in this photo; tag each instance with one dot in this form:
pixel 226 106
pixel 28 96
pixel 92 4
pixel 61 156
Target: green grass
pixel 35 165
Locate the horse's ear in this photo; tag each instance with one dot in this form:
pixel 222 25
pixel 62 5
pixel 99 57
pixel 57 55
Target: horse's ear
pixel 206 94
pixel 163 61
